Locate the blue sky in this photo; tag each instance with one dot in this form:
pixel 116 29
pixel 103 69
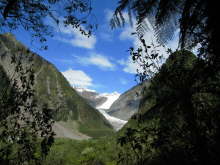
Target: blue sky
pixel 100 62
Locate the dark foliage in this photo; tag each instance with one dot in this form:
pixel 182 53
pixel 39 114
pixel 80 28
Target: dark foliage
pixel 180 122
pixel 196 20
pixel 34 15
pixel 25 130
pixel 148 59
pixel 181 126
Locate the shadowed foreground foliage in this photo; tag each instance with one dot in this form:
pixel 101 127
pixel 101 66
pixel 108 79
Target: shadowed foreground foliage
pixel 51 88
pixel 179 117
pixel 194 19
pixel 37 17
pixel 24 128
pixel 178 123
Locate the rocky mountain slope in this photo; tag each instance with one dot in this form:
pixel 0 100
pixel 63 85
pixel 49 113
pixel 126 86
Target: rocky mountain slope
pixel 53 89
pixel 116 123
pixel 102 102
pixel 91 96
pixel 111 98
pixel 97 100
pixel 127 104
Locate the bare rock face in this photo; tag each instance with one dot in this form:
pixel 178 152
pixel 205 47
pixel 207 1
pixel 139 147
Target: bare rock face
pixel 92 97
pixel 102 102
pixel 127 104
pixel 53 89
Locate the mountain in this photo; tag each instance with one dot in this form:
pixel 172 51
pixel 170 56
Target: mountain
pixel 178 117
pixel 72 112
pixel 127 104
pixel 116 123
pixel 111 98
pixel 91 96
pixel 102 102
pixel 97 100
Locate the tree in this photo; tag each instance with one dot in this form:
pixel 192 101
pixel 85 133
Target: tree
pixel 180 123
pixel 180 126
pixel 25 128
pixel 194 18
pixel 33 15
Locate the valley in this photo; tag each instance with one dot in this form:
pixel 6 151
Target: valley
pixel 53 89
pixel 82 119
pixel 125 82
pixel 94 128
pixel 76 117
pixel 103 102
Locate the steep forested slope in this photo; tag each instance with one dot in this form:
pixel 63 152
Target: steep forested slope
pixel 178 119
pixel 70 110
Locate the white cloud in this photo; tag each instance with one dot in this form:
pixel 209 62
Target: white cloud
pixel 98 60
pixel 73 36
pixel 129 66
pixel 83 42
pixel 108 14
pixel 126 34
pixel 149 37
pixel 123 81
pixel 121 62
pixel 107 35
pixel 173 44
pixel 78 78
pixel 80 41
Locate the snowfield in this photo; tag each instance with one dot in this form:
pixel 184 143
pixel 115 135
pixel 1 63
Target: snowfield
pixel 115 122
pixel 111 98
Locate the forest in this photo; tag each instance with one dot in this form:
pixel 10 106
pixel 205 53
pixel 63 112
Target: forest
pixel 170 116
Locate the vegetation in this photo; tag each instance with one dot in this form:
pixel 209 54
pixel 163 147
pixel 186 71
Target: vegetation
pixel 70 106
pixel 100 151
pixel 179 117
pixel 21 122
pixel 178 120
pixel 194 18
pixel 88 152
pixel 30 15
pixel 52 89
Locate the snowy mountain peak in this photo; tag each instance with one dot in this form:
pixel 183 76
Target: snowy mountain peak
pixel 111 98
pixel 111 94
pixel 78 89
pixel 103 102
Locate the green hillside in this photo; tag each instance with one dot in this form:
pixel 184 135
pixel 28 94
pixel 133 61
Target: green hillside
pixel 100 151
pixel 178 117
pixel 53 89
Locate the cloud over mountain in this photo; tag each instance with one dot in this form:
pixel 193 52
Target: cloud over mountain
pixel 73 36
pixel 78 78
pixel 97 60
